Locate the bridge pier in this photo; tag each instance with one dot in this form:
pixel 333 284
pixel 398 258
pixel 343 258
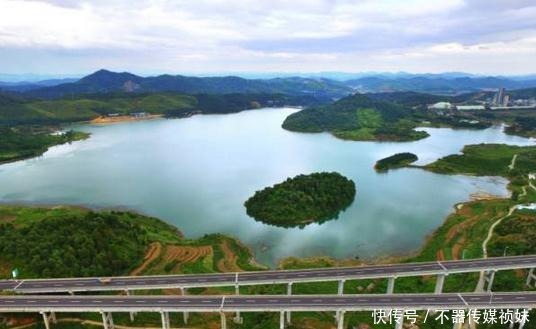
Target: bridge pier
pixel 400 323
pixel 47 318
pixel 107 320
pixel 488 278
pixel 391 285
pixel 531 277
pixel 340 319
pixel 165 320
pixel 289 292
pixel 522 323
pixel 237 319
pixel 184 314
pixel 340 289
pixel 223 321
pixel 132 314
pixel 439 283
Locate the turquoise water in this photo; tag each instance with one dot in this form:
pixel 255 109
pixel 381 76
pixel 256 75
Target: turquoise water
pixel 197 172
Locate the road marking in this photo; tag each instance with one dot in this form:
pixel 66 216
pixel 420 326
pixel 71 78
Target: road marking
pixel 443 267
pixel 222 302
pixel 18 285
pixel 463 300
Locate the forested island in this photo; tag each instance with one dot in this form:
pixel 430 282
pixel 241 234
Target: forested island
pixel 17 143
pixel 358 117
pixel 302 200
pixel 395 161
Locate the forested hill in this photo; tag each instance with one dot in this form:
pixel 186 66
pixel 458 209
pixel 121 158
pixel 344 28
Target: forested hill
pixel 15 111
pixel 358 117
pixel 104 81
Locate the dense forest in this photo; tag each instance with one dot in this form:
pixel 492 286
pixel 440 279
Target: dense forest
pixel 488 160
pixel 395 161
pixel 90 245
pixel 23 142
pixel 16 110
pixel 302 200
pixel 358 117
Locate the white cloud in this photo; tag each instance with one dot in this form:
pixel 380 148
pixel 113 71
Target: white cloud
pixel 300 35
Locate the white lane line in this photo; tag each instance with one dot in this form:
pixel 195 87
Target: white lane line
pixel 236 278
pixel 443 267
pixel 222 302
pixel 18 285
pixel 463 300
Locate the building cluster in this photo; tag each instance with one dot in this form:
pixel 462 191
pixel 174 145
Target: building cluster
pixel 500 101
pixel 501 98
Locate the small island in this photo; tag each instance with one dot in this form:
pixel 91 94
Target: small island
pixel 302 200
pixel 395 161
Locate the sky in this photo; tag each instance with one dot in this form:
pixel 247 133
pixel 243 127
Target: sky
pixel 68 37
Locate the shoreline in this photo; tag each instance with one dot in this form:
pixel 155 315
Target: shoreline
pixel 124 118
pixel 281 263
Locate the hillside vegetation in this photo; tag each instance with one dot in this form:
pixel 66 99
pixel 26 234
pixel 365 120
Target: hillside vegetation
pixel 488 160
pixel 301 200
pixel 82 108
pixel 22 142
pixel 73 241
pixel 358 117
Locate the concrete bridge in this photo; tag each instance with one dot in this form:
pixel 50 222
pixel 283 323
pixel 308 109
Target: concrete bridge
pixel 127 284
pixel 49 305
pixel 340 274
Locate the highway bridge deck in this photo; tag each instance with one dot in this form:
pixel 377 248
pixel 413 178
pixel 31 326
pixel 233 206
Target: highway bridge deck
pixel 518 300
pixel 269 277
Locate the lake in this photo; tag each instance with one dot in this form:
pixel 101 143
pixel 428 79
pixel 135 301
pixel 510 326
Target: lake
pixel 197 172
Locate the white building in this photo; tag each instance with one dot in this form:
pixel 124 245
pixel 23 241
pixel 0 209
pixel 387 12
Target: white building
pixel 470 107
pixel 441 106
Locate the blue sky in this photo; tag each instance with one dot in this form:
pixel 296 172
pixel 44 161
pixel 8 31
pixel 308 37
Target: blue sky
pixel 201 36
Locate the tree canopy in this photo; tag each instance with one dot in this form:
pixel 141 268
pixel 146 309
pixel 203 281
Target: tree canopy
pixel 302 200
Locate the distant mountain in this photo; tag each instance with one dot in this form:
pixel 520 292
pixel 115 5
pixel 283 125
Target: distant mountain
pixel 104 81
pixel 22 86
pixel 436 84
